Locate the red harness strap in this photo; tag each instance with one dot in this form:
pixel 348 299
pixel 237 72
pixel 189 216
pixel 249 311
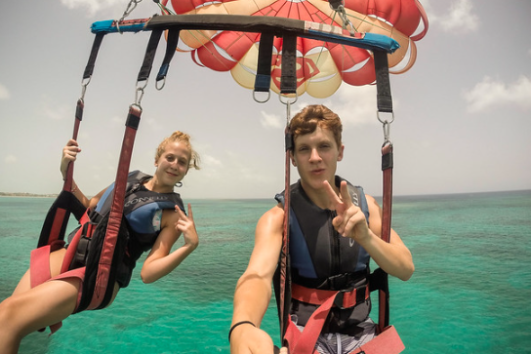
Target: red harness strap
pixel 319 296
pixel 40 271
pixel 304 343
pixel 387 342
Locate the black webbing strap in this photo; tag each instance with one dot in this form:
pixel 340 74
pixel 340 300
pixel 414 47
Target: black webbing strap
pixel 288 79
pixel 89 69
pixel 385 104
pixel 151 50
pixel 383 86
pixel 69 178
pixel 335 4
pixel 172 41
pixel 87 74
pixel 263 72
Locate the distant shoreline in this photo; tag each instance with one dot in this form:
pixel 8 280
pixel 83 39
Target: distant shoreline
pixel 3 194
pixel 34 195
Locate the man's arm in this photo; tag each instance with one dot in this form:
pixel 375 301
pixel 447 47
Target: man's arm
pixel 253 290
pixel 393 257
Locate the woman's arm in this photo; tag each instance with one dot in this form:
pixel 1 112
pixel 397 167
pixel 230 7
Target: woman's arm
pixel 160 261
pixel 70 152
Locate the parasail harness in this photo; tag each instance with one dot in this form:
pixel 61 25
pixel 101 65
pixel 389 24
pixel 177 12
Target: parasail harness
pixel 108 233
pixel 387 340
pixel 98 277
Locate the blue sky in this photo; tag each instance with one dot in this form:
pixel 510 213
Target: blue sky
pixel 461 113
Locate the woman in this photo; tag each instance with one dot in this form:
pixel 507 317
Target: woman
pixel 30 309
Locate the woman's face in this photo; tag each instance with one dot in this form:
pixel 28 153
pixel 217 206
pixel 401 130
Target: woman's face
pixel 174 162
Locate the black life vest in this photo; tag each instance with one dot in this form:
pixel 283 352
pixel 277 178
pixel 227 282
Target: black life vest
pixel 320 258
pixel 142 217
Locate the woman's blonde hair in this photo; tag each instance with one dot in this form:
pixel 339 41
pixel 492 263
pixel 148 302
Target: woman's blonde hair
pixel 183 138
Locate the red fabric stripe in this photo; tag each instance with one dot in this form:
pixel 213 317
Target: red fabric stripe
pixel 40 265
pixel 115 217
pixel 56 225
pixel 308 338
pixel 387 342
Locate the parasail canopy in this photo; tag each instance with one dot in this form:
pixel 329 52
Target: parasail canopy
pixel 322 66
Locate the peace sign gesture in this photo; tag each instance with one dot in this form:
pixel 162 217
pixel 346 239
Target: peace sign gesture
pixel 350 220
pixel 186 225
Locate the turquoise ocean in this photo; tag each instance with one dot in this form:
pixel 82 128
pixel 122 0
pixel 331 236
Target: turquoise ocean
pixel 471 291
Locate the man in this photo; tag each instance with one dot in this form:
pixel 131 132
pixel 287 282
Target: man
pixel 334 230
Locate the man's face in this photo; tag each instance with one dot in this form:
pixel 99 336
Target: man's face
pixel 316 155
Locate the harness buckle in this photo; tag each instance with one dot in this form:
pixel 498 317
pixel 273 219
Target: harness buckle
pixel 350 297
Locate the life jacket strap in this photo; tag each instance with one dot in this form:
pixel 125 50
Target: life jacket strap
pixel 342 298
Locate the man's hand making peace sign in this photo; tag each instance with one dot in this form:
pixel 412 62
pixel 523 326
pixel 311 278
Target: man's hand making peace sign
pixel 350 220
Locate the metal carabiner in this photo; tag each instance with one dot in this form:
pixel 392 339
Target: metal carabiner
pixel 84 84
pixel 288 112
pixel 159 88
pixel 139 92
pixel 261 101
pixel 288 102
pixel 386 121
pixel 130 7
pixel 340 10
pixel 386 131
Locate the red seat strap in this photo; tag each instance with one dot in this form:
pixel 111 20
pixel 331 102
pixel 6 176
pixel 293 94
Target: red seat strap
pixel 304 343
pixel 40 262
pixel 387 342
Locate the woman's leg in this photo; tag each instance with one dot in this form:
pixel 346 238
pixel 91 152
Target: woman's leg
pixel 28 310
pixel 56 261
pixel 42 306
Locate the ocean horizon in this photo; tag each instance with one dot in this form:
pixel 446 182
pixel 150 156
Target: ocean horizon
pixel 469 294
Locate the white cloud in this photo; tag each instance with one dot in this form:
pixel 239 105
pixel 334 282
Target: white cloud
pixel 4 93
pixel 10 159
pixel 490 93
pixel 92 6
pixel 357 104
pixel 461 17
pixel 271 120
pixel 154 124
pixel 55 111
pixel 209 160
pixel 118 120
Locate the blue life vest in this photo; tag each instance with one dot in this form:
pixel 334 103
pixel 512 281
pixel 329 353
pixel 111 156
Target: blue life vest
pixel 320 258
pixel 142 215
